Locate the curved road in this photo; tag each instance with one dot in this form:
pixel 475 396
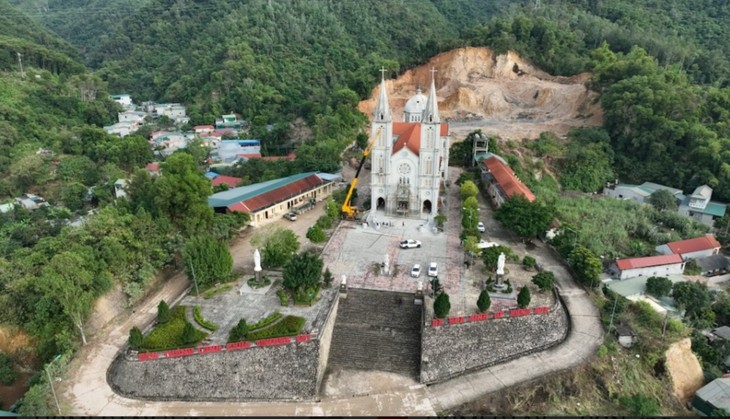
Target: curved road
pixel 85 390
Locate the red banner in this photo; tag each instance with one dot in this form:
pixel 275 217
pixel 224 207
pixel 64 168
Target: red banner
pixel 209 349
pixel 147 356
pixel 179 352
pixel 499 314
pixel 273 341
pixel 456 320
pixel 437 322
pixel 519 312
pixel 302 338
pixel 541 310
pixel 238 345
pixel 478 317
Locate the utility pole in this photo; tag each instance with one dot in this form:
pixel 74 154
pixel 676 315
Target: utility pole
pixel 615 300
pixel 664 328
pixel 50 381
pixel 195 281
pixel 20 64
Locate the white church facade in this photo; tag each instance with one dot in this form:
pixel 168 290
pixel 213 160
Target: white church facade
pixel 409 159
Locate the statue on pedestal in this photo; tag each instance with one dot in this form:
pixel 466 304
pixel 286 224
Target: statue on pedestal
pixel 257 265
pixel 500 271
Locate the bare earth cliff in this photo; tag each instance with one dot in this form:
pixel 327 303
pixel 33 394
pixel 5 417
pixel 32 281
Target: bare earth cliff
pixel 500 94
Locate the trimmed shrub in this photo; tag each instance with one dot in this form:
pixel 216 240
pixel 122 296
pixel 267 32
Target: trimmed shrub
pixel 442 305
pixel 198 316
pixel 483 302
pixel 529 262
pixel 271 318
pixel 327 278
pixel 163 312
pixel 544 280
pixel 136 339
pixel 288 326
pixel 238 332
pixel 283 298
pixel 524 297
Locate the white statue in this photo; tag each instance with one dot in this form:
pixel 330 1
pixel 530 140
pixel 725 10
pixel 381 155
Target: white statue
pixel 500 264
pixel 256 261
pixel 344 280
pixel 386 265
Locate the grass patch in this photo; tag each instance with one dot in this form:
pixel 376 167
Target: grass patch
pixel 212 292
pixel 255 285
pixel 288 326
pixel 307 296
pixel 271 318
pixel 202 321
pixel 170 335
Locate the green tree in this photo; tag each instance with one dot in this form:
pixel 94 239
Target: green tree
pixel 524 297
pixel 440 219
pixel 441 305
pixel 658 286
pixel 332 208
pixel 544 280
pixel 663 200
pixel 279 244
pixel 316 235
pixel 527 219
pixel 207 260
pixel 181 194
pixel 361 141
pixel 587 145
pixel 303 271
pixel 721 307
pixel 483 302
pixel 7 370
pixel 135 337
pixel 468 189
pixel 587 266
pixel 692 268
pixel 189 334
pixel 238 332
pixel 693 297
pixel 163 312
pixel 529 262
pixel 73 195
pixel 471 203
pixel 327 278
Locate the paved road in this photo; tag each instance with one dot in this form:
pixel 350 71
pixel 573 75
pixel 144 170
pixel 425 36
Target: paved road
pixel 85 390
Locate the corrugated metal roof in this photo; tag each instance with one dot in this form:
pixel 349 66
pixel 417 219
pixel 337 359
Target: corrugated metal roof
pixel 253 197
pixel 717 393
pixel 645 262
pixel 694 245
pixel 506 179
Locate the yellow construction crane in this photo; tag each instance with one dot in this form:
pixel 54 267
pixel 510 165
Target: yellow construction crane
pixel 348 211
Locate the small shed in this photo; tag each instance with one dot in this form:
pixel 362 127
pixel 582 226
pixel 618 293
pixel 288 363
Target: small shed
pixel 625 336
pixel 713 396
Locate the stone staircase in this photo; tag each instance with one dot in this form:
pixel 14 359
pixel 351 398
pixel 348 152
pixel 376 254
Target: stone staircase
pixel 374 331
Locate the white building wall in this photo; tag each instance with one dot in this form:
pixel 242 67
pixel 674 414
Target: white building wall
pixel 664 270
pixel 699 254
pixel 624 192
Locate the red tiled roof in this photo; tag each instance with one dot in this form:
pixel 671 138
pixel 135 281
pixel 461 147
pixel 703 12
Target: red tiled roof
pixel 250 155
pixel 283 193
pixel 290 157
pixel 507 179
pixel 204 127
pixel 152 167
pixel 228 180
pixel 645 262
pixel 694 245
pixel 409 135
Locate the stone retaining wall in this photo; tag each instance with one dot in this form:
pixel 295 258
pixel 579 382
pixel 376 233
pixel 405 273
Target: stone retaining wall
pixel 453 349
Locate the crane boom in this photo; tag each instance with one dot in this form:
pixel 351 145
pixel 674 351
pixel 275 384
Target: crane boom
pixel 348 211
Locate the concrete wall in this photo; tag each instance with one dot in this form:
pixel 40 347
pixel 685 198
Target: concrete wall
pixel 325 339
pixel 451 350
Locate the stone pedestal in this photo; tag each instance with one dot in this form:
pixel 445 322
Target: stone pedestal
pixel 343 287
pixel 500 282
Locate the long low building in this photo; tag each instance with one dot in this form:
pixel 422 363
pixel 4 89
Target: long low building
pixel 268 201
pixel 661 265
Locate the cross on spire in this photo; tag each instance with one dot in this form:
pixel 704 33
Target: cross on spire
pixel 382 71
pixel 433 72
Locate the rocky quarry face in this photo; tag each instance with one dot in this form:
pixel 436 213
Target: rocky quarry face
pixel 500 94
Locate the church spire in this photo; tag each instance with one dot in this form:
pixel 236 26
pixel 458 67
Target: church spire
pixel 431 113
pixel 382 109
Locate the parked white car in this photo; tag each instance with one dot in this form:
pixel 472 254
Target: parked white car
pixel 291 216
pixel 480 227
pixel 433 269
pixel 410 244
pixel 416 270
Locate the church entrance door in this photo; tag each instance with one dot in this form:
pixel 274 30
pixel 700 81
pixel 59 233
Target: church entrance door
pixel 427 206
pixel 381 204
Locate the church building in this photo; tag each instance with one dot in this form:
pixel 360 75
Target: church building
pixel 409 159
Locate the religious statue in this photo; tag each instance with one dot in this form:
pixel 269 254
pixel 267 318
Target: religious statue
pixel 500 264
pixel 386 265
pixel 257 265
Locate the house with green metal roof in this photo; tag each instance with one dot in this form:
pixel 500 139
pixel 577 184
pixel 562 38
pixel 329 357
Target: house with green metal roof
pixel 699 206
pixel 712 397
pixel 269 201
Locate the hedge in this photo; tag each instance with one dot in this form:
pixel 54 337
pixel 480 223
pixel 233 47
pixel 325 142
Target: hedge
pixel 289 326
pixel 198 316
pixel 169 335
pixel 271 318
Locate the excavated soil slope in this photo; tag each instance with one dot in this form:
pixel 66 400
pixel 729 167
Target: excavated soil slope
pixel 684 368
pixel 501 94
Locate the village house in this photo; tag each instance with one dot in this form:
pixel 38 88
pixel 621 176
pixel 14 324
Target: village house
pixel 123 99
pixel 217 179
pixel 136 117
pixel 713 396
pixel 122 129
pixel 229 121
pixel 639 193
pixel 269 201
pixel 501 181
pixel 625 336
pixel 647 266
pixel 203 130
pixel 696 248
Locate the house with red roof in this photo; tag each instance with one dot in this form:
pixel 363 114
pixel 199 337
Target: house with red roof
pixel 267 202
pixel 661 265
pixel 501 181
pixel 699 247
